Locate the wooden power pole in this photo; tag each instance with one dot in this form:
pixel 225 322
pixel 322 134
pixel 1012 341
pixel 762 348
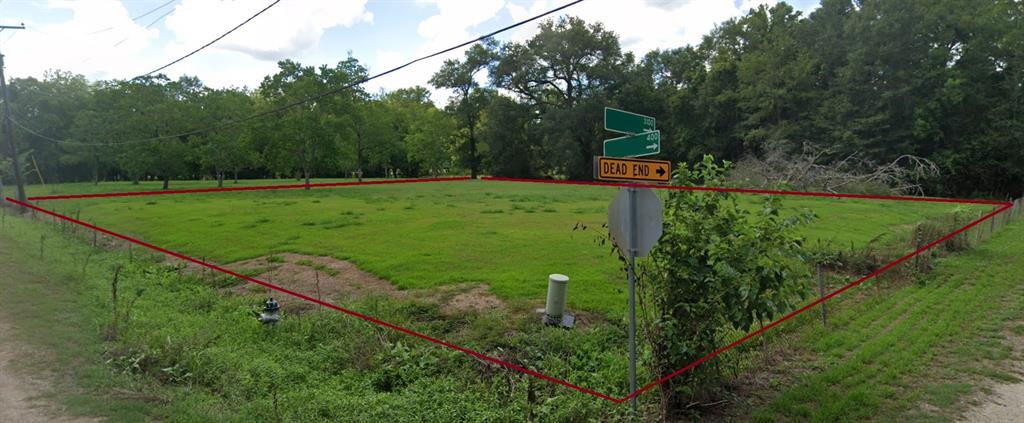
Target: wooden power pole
pixel 8 129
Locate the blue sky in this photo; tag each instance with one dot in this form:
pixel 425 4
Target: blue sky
pixel 99 39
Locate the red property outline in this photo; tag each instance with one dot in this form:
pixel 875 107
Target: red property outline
pixel 1005 206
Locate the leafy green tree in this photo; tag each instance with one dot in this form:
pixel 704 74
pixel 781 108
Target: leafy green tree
pixel 51 104
pixel 426 133
pixel 564 72
pixel 505 126
pixel 305 138
pixel 224 150
pixel 470 100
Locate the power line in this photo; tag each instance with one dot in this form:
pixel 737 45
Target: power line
pixel 148 26
pixel 213 41
pixel 314 97
pixel 135 18
pixel 153 10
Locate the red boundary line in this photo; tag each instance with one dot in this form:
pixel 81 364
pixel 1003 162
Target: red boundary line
pixel 1005 206
pixel 251 188
pixel 747 191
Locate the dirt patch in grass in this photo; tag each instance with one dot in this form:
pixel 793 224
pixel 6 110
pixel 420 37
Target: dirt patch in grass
pixel 1004 402
pixel 477 298
pixel 341 280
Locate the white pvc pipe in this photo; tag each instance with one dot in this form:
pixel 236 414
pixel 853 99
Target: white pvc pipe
pixel 558 285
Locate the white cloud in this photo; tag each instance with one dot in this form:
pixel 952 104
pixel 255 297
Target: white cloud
pixel 101 41
pixel 85 43
pixel 644 25
pixel 450 26
pixel 283 31
pixel 454 19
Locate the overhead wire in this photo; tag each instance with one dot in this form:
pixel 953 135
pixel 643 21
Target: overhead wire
pixel 135 18
pixel 154 10
pixel 314 97
pixel 212 41
pixel 148 26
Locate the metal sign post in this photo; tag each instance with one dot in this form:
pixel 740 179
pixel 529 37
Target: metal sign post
pixel 634 220
pixel 634 216
pixel 631 192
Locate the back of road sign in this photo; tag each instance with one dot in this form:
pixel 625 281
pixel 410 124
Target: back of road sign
pixel 648 220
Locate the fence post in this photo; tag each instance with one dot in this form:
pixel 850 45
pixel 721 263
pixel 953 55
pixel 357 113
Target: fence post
pixel 821 293
pixel 978 230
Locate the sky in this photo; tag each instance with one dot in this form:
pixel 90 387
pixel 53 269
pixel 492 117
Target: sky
pixel 118 39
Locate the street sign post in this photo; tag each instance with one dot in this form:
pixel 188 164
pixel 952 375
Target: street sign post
pixel 634 220
pixel 634 217
pixel 642 144
pixel 624 122
pixel 615 169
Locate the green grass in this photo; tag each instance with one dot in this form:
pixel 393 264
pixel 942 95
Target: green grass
pixel 931 342
pixel 204 358
pixel 189 352
pixel 58 316
pixel 509 235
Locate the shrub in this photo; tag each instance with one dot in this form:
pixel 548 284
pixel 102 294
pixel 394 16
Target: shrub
pixel 716 268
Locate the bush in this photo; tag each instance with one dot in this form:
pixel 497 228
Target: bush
pixel 717 267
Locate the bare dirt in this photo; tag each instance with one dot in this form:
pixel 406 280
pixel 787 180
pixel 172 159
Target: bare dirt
pixel 331 279
pixel 1005 403
pixel 21 394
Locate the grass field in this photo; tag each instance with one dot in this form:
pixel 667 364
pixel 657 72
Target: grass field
pixel 506 234
pixel 916 353
pixel 191 352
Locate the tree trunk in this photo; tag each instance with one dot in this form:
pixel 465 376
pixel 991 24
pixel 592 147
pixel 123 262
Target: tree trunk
pixel 473 162
pixel 307 172
pixel 359 155
pixel 236 176
pixel 167 182
pixel 220 179
pixel 95 167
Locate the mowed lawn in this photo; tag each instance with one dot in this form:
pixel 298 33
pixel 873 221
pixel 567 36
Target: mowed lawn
pixel 508 235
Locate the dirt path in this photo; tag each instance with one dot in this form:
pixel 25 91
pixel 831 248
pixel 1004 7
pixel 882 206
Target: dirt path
pixel 1006 404
pixel 20 394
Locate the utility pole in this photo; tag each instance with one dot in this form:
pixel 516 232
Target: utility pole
pixel 8 130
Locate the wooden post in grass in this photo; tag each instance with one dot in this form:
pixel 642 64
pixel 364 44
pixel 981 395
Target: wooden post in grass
pixel 113 300
pixel 977 231
pixel 316 276
pixel 821 291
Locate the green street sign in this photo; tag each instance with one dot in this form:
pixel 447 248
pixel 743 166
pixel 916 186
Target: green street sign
pixel 638 145
pixel 621 121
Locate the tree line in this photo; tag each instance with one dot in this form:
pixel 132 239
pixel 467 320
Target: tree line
pixel 937 79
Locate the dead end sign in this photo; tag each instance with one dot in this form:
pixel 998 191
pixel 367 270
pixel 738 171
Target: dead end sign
pixel 616 169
